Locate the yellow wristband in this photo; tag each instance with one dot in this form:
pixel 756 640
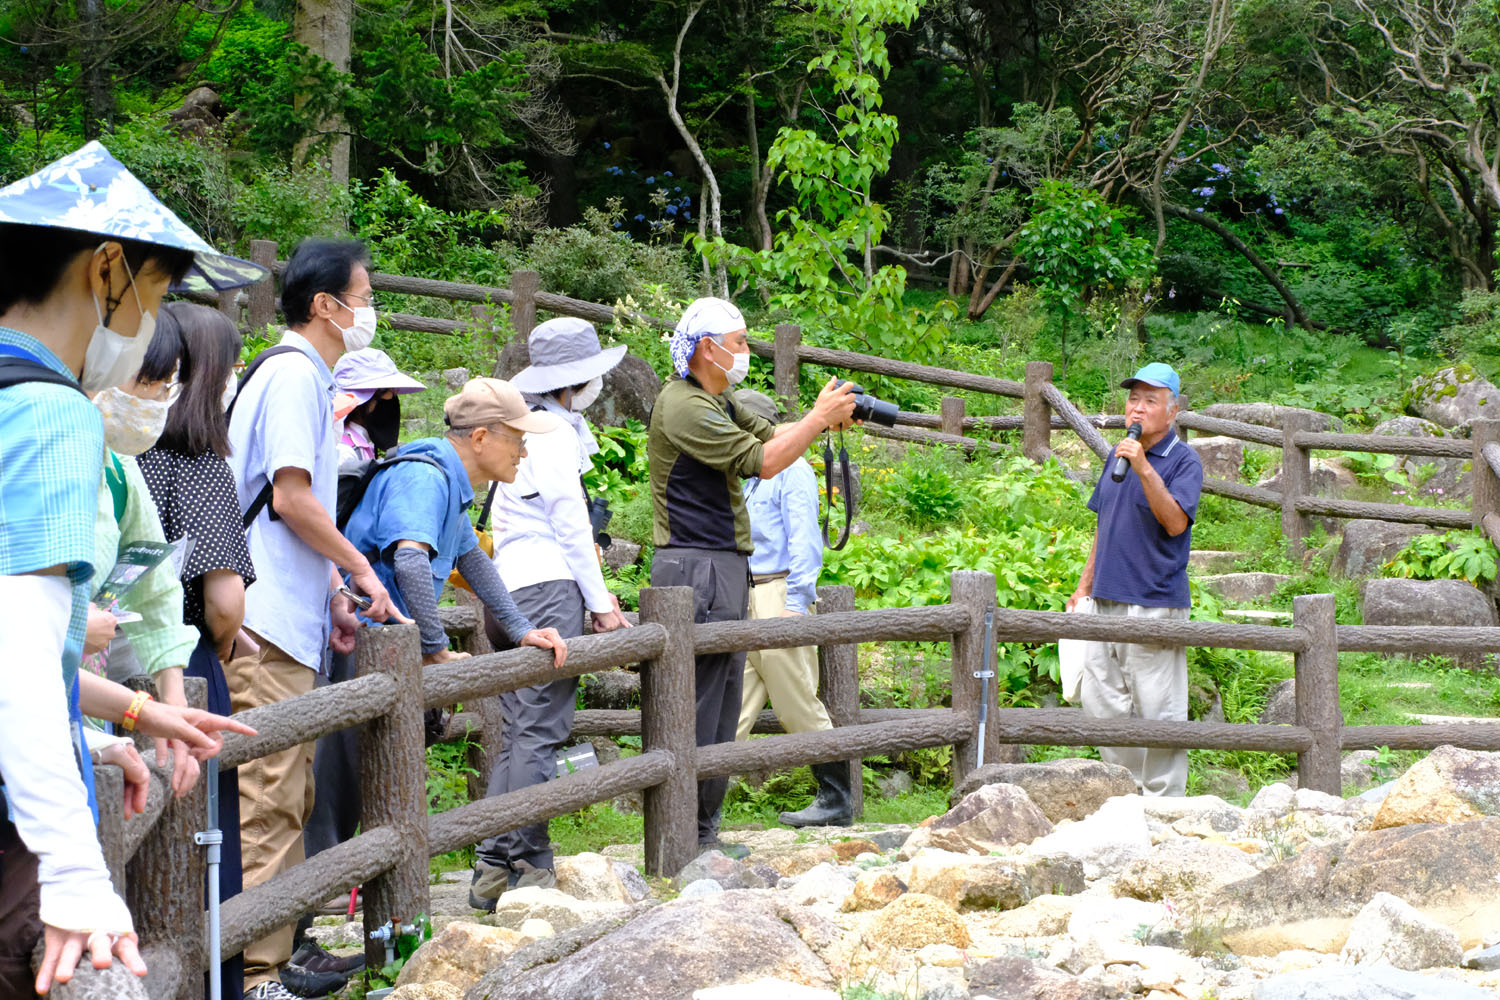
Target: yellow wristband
pixel 133 713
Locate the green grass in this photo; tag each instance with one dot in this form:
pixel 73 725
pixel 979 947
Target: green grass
pixel 595 828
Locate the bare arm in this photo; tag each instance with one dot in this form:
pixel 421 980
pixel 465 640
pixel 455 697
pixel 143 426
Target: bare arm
pixel 1164 507
pixel 1086 578
pixel 833 409
pixel 223 607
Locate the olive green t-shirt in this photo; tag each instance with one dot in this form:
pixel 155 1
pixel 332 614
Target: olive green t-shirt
pixel 701 447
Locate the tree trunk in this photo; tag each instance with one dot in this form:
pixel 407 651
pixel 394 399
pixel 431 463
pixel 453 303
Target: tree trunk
pixel 1298 315
pixel 324 26
pixel 98 97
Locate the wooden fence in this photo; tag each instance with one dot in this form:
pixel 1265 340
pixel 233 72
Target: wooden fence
pixel 161 869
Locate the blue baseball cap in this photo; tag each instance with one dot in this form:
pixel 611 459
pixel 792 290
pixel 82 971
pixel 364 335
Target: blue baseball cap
pixel 1157 373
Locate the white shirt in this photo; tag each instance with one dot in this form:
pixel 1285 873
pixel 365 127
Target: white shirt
pixel 284 419
pixel 540 522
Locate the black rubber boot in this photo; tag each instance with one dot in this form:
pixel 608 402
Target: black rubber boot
pixel 831 806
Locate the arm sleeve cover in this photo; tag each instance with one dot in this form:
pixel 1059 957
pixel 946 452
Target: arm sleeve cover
pixel 414 579
pixel 480 573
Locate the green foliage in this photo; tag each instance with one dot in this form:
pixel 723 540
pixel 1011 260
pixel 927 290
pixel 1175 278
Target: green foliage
pixel 595 261
pixel 1456 555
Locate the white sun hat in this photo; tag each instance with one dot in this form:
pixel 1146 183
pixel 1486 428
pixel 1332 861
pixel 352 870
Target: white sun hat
pixel 564 351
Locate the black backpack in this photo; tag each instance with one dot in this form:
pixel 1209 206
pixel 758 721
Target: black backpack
pixel 16 370
pixel 355 478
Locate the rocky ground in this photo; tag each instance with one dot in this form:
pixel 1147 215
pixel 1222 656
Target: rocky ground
pixel 1043 882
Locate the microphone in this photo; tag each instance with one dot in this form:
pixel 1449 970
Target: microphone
pixel 1118 472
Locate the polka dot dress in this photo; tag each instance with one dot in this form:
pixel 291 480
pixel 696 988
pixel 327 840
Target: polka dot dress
pixel 196 496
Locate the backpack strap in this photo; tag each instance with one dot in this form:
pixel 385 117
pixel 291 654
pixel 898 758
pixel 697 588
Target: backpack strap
pixel 267 491
pixel 369 476
pixel 18 366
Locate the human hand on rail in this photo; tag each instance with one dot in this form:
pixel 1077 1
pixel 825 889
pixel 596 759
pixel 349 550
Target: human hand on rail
pixel 137 775
pixel 62 950
pixel 835 405
pixel 201 731
pixel 612 619
pixel 343 624
pixel 442 656
pixel 381 607
pixel 547 638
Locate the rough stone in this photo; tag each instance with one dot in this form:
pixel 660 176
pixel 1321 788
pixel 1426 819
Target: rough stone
pixel 427 991
pixel 848 850
pixel 1026 979
pixel 1213 560
pixel 1357 769
pixel 1325 481
pixel 821 884
pixel 1221 456
pixel 700 887
pixel 1367 545
pixel 1209 810
pixel 1063 789
pixel 591 876
pixel 1107 929
pixel 1452 396
pixel 894 784
pixel 454 378
pixel 1426 602
pixel 1390 931
pixel 718 867
pixel 664 952
pixel 1425 473
pixel 1486 959
pixel 1363 984
pixel 1179 870
pixel 622 552
pixel 1281 705
pixel 1105 842
pixel 1451 873
pixel 761 989
pixel 552 905
pixel 1224 782
pixel 1044 916
pixel 629 392
pixel 1277 798
pixel 611 689
pixel 1449 785
pixel 888 839
pixel 460 954
pixel 913 920
pixel 1244 586
pixel 873 890
pixel 1269 415
pixel 990 817
pixel 631 881
pixel 998 884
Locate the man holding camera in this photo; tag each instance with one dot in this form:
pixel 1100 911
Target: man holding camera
pixel 1146 500
pixel 701 445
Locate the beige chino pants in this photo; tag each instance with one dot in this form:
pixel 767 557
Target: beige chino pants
pixel 276 794
pixel 1123 680
pixel 788 677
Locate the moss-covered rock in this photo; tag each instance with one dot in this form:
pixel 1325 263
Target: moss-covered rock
pixel 1452 396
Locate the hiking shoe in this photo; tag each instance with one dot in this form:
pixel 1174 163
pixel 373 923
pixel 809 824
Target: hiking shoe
pixel 315 972
pixel 530 875
pixel 734 852
pixel 488 882
pixel 270 990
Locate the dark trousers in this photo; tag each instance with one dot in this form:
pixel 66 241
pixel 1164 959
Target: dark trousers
pixel 20 922
pixel 537 721
pixel 336 801
pixel 721 593
pixel 204 663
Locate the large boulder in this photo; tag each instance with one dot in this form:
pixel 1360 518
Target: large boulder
pixel 1063 789
pixel 1180 870
pixel 966 883
pixel 1428 475
pixel 552 905
pixel 1453 396
pixel 1368 545
pixel 427 991
pixel 460 954
pixel 1240 587
pixel 613 689
pixel 664 952
pixel 1368 983
pixel 1026 979
pixel 1326 479
pixel 1449 785
pixel 594 877
pixel 630 390
pixel 1390 931
pixel 762 988
pixel 1221 456
pixel 873 890
pixel 990 817
pixel 1429 602
pixel 1115 835
pixel 1449 872
pixel 915 921
pixel 1269 415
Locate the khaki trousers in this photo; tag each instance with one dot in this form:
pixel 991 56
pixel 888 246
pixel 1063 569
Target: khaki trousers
pixel 1124 680
pixel 276 794
pixel 788 677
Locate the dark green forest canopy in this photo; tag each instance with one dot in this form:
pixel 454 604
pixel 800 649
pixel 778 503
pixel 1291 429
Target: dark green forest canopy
pixel 1334 164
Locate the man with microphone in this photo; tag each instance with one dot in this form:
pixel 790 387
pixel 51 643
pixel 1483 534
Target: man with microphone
pixel 1146 499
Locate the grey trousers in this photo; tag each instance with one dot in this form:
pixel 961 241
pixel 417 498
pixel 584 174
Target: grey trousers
pixel 537 721
pixel 1129 680
pixel 721 593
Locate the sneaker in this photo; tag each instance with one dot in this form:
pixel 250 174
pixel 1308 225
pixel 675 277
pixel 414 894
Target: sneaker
pixel 314 972
pixel 270 990
pixel 530 875
pixel 488 882
pixel 734 852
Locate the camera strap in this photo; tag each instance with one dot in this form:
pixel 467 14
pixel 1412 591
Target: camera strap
pixel 828 485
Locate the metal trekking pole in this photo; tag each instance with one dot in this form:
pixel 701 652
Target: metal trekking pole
pixel 213 839
pixel 984 676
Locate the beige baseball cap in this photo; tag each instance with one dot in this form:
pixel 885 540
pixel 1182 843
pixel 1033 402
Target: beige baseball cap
pixel 484 402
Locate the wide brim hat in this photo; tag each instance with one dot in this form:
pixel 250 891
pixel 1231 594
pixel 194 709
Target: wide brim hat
pixel 89 191
pixel 565 351
pixel 365 372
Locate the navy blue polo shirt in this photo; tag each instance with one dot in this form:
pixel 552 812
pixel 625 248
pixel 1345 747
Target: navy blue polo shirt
pixel 1137 562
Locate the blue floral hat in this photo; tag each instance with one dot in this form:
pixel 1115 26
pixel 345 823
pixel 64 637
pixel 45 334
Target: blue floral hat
pixel 91 191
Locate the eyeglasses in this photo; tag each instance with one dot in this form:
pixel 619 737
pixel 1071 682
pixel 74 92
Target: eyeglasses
pixel 370 300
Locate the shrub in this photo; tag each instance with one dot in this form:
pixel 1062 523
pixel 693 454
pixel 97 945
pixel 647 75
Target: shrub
pixel 594 262
pixel 1457 555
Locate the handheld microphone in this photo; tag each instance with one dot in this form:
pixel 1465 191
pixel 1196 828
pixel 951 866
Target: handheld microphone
pixel 1118 472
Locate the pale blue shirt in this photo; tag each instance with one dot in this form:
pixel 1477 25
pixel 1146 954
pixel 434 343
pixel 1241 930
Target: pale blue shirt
pixel 784 525
pixel 284 419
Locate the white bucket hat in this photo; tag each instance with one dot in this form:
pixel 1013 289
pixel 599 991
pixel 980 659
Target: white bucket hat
pixel 564 351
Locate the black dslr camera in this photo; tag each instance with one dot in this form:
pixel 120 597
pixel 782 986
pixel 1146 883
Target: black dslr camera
pixel 868 407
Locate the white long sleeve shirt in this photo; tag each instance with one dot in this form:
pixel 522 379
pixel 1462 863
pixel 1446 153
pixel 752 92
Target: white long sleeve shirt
pixel 541 524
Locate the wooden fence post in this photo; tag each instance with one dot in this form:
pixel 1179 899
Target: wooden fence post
pixel 975 591
pixel 1036 417
pixel 481 753
pixel 838 684
pixel 1182 407
pixel 164 881
pixel 262 294
pixel 788 369
pixel 523 287
pixel 1317 693
pixel 1296 481
pixel 668 714
pixel 393 780
pixel 952 415
pixel 1486 482
pixel 229 305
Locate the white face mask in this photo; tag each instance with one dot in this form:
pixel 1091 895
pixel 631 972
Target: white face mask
pixel 583 397
pixel 359 336
pixel 231 387
pixel 132 424
pixel 738 369
pixel 111 358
